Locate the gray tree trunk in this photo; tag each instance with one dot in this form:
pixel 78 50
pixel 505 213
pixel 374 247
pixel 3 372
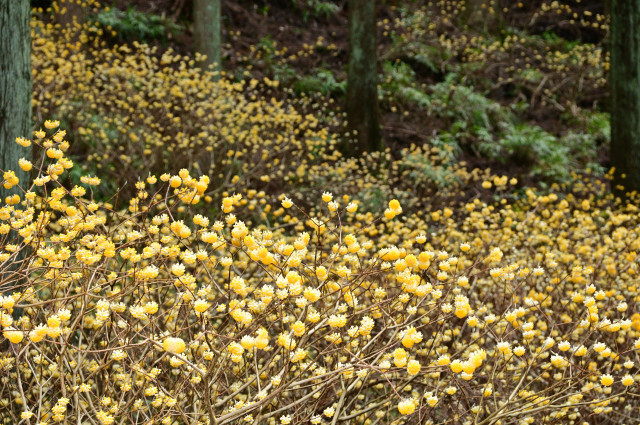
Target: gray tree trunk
pixel 207 32
pixel 362 80
pixel 625 93
pixel 15 86
pixel 15 106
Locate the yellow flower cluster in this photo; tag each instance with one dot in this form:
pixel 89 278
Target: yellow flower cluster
pixel 385 310
pixel 161 310
pixel 169 114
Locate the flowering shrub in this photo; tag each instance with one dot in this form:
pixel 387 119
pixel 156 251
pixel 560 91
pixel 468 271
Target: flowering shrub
pixel 155 314
pixel 135 111
pixel 421 292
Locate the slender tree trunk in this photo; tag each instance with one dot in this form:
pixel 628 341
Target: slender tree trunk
pixel 207 32
pixel 362 87
pixel 625 93
pixel 15 85
pixel 15 107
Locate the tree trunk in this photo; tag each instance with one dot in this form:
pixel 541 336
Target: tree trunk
pixel 362 88
pixel 625 94
pixel 15 86
pixel 15 106
pixel 207 32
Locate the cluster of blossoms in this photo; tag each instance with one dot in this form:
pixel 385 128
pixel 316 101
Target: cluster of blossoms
pixel 158 313
pixel 138 109
pixel 315 308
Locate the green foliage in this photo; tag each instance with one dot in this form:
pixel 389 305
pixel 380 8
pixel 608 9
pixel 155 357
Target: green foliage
pixel 134 25
pixel 582 149
pixel 531 145
pixel 398 73
pixel 372 198
pixel 270 60
pixel 432 169
pixel 316 8
pixel 554 40
pixel 509 61
pixel 599 126
pixel 321 81
pixel 490 130
pixel 425 58
pixel 485 128
pixel 398 84
pixel 461 103
pixel 283 72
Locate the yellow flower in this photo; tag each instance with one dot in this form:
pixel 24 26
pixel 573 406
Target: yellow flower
pixel 10 179
pixel 559 361
pixel 298 328
pixel 25 165
pixel 59 136
pixel 5 319
pixel 235 348
pixel 174 345
pixel 488 390
pixel 472 321
pixel 247 342
pixel 580 351
pixel 38 333
pixel 151 307
pixel 406 407
pixel 443 360
pixel 201 305
pixel 180 229
pixel 432 401
pixel 606 380
pixel 337 321
pixel 26 415
pixel 53 321
pixel 25 143
pixel 175 182
pixel 118 355
pixel 13 335
pixel 91 181
pixel 413 367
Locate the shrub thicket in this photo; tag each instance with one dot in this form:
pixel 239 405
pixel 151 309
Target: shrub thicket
pixel 486 303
